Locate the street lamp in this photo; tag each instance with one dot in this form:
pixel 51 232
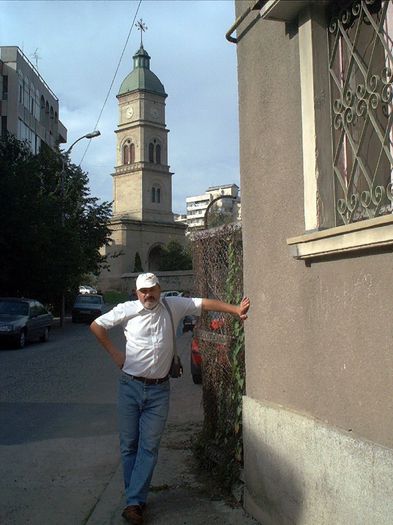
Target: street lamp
pixel 211 204
pixel 64 156
pixel 91 135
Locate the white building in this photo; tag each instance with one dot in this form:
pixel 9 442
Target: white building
pixel 198 204
pixel 28 107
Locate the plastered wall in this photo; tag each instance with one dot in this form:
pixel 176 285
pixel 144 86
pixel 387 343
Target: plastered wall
pixel 319 338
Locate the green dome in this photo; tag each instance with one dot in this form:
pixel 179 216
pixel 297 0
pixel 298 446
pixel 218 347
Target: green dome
pixel 141 77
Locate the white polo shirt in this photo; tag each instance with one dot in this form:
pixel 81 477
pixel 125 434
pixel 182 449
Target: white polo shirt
pixel 149 337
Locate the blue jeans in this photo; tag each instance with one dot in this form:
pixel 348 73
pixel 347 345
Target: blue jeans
pixel 143 411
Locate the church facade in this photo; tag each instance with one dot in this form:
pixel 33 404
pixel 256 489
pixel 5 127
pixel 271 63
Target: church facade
pixel 142 221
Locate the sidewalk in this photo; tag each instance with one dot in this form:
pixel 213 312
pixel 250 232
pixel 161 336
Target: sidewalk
pixel 177 496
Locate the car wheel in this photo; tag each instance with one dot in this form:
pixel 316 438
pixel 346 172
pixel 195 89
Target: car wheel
pixel 45 335
pixel 21 340
pixel 197 378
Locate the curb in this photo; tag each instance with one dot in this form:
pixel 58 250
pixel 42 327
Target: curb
pixel 109 501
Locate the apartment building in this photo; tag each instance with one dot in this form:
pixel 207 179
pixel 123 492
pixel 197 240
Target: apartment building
pixel 227 203
pixel 28 107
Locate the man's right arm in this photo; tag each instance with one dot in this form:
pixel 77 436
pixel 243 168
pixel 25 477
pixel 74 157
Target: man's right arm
pixel 101 334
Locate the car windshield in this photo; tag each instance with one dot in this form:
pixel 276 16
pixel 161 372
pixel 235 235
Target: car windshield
pixel 90 299
pixel 14 308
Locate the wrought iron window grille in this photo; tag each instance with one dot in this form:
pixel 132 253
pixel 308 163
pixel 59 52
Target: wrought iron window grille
pixel 361 77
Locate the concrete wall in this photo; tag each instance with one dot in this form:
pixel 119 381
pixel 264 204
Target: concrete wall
pixel 303 480
pixel 318 340
pixel 181 280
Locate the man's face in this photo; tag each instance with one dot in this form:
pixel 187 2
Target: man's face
pixel 149 297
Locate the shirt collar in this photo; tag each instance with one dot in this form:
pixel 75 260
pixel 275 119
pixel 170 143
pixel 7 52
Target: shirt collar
pixel 141 308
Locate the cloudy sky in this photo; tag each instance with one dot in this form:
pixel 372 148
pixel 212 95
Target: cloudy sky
pixel 79 44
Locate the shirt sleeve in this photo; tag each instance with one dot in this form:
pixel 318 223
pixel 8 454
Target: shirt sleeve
pixel 119 314
pixel 182 306
pixel 196 308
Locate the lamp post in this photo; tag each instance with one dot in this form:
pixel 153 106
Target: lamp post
pixel 64 156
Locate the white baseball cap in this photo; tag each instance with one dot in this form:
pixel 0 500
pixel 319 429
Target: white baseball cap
pixel 146 280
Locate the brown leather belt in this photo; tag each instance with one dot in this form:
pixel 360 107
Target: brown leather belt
pixel 148 380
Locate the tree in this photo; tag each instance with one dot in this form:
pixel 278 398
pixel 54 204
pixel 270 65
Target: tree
pixel 219 216
pixel 175 257
pixel 138 263
pixel 49 237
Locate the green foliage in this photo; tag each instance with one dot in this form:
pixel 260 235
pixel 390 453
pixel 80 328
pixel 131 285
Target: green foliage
pixel 219 447
pixel 51 233
pixel 175 257
pixel 138 263
pixel 114 297
pixel 218 217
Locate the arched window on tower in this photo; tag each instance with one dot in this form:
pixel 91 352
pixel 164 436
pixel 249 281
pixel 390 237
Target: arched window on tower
pixel 151 152
pixel 156 194
pixel 132 153
pixel 158 154
pixel 126 154
pixel 154 152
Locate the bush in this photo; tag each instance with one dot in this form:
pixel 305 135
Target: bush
pixel 115 297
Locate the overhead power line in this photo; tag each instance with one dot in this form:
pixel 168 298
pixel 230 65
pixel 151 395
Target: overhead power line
pixel 113 79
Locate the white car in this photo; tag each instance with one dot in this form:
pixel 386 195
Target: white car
pixel 84 289
pixel 170 293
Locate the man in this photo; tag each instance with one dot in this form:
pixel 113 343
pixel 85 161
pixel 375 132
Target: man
pixel 143 400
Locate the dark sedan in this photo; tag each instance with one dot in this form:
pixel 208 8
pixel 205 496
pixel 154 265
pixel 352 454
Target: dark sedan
pixel 23 320
pixel 87 307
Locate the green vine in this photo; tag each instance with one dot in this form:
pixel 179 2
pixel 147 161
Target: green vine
pixel 234 296
pixel 220 445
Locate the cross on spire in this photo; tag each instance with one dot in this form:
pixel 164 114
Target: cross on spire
pixel 142 27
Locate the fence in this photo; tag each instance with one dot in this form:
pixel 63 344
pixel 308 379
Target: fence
pixel 218 268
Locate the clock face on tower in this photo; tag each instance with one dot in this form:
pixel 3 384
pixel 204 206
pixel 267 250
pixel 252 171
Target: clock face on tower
pixel 154 113
pixel 129 111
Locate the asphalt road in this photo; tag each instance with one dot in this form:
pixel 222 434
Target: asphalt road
pixel 58 438
pixel 59 455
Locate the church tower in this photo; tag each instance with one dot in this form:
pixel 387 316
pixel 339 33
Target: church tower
pixel 142 180
pixel 142 222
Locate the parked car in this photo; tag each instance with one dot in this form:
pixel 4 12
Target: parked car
pixel 87 307
pixel 196 361
pixel 171 293
pixel 196 357
pixel 85 289
pixel 22 320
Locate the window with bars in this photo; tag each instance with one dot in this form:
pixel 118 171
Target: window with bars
pixel 361 77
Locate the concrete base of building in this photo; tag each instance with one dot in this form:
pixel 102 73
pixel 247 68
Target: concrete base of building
pixel 302 471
